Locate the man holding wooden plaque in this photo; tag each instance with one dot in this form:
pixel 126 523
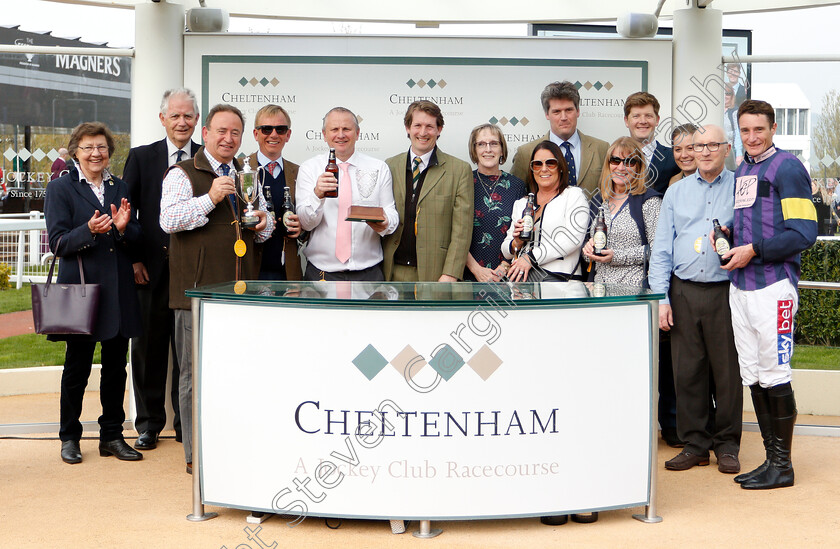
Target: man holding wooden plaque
pixel 346 231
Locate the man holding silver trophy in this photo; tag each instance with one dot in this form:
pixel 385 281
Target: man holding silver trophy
pixel 213 225
pixel 346 231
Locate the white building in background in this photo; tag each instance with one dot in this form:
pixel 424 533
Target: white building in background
pixel 793 116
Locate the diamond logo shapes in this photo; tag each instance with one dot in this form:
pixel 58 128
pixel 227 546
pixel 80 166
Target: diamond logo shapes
pixel 524 121
pixel 370 362
pixel 408 363
pixel 493 120
pixel 514 121
pixel 10 154
pixel 578 85
pixel 242 81
pixel 253 81
pixel 24 154
pixel 598 85
pixel 264 81
pixel 274 81
pixel 52 155
pixel 421 83
pixel 587 85
pixel 38 155
pixel 503 121
pixel 827 160
pixel 485 362
pixel 446 361
pixel 432 83
pixel 411 83
pixel 608 86
pixel 442 83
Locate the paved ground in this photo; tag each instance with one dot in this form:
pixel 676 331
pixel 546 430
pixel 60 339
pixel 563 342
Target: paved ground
pixel 14 324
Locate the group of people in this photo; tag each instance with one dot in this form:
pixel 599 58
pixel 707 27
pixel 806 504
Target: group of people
pixel 172 223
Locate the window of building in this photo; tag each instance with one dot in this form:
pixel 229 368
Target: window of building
pixel 803 122
pixel 791 122
pixel 780 121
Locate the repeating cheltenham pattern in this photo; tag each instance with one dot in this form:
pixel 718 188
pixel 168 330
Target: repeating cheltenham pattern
pixel 262 81
pixel 597 85
pixel 423 83
pixel 513 121
pixel 446 362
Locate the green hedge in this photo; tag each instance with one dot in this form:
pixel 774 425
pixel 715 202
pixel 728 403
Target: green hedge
pixel 818 320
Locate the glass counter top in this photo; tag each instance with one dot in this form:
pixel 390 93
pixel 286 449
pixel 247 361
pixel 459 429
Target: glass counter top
pixel 390 294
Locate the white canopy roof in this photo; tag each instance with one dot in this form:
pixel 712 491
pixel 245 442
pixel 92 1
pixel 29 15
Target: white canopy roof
pixel 460 11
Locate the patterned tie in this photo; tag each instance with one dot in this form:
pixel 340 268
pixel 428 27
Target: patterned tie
pixel 225 169
pixel 570 160
pixel 415 174
pixel 180 156
pixel 343 227
pixel 270 168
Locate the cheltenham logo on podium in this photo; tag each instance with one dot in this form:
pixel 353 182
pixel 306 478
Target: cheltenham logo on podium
pixel 445 361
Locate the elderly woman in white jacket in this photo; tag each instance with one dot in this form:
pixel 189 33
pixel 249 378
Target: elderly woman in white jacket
pixel 561 218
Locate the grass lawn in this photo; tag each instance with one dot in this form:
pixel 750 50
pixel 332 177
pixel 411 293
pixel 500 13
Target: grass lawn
pixel 816 357
pixel 26 351
pixel 15 300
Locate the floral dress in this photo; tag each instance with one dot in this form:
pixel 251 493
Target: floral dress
pixel 494 198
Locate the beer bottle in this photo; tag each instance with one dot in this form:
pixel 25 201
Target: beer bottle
pixel 528 220
pixel 332 167
pixel 722 244
pixel 269 204
pixel 288 208
pixel 599 238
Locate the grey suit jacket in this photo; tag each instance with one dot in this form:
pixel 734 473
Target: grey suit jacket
pixel 593 152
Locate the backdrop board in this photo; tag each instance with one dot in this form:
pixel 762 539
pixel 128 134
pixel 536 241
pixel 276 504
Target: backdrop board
pixel 425 409
pixel 474 80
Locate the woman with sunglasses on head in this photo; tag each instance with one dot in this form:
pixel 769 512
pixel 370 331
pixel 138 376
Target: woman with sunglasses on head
pixel 560 220
pixel 495 193
pixel 631 211
pixel 88 217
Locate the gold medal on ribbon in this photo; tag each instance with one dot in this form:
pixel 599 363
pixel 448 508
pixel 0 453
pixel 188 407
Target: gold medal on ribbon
pixel 240 286
pixel 239 247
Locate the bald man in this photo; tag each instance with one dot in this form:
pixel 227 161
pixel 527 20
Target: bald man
pixel 685 267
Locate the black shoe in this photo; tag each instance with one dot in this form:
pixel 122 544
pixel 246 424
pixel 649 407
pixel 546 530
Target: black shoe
pixel 178 437
pixel 147 440
pixel 70 452
pixel 779 472
pixel 669 435
pixel 761 404
pixel 189 468
pixel 119 449
pixel 554 520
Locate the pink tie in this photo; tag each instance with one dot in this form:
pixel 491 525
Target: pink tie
pixel 343 228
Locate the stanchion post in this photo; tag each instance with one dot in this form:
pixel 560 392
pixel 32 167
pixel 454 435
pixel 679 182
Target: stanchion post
pixel 198 513
pixel 650 515
pixel 426 530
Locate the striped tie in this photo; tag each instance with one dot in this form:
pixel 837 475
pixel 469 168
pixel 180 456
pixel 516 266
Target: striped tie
pixel 415 173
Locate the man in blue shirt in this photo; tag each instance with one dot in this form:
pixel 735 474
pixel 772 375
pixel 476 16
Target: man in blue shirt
pixel 685 267
pixel 774 221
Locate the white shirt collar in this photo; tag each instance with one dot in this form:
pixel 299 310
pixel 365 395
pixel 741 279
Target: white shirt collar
pixel 172 150
pixel 264 160
pixel 574 140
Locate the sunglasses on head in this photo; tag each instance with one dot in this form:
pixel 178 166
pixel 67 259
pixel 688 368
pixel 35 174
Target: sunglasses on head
pixel 266 130
pixel 551 164
pixel 629 161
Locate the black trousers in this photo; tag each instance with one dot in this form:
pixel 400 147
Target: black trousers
pixel 150 358
pixel 77 364
pixel 703 350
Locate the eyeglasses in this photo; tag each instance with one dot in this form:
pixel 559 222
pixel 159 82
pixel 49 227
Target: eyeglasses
pixel 485 144
pixel 551 164
pixel 713 147
pixel 90 148
pixel 266 130
pixel 629 161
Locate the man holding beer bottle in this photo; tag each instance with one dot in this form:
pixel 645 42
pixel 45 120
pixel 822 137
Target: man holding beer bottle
pixel 686 268
pixel 339 249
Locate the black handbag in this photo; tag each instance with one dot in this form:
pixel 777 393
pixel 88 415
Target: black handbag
pixel 65 308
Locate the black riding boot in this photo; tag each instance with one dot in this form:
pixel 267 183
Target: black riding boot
pixel 783 412
pixel 765 424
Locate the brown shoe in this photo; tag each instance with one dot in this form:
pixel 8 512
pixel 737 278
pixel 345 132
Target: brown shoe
pixel 685 460
pixel 729 464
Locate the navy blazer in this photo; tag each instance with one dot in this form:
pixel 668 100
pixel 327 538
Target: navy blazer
pixel 662 168
pixel 68 206
pixel 143 173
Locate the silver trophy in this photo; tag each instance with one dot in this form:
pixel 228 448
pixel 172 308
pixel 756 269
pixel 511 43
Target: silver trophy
pixel 248 189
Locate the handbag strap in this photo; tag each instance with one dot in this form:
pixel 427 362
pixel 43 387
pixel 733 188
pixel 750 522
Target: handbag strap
pixel 52 268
